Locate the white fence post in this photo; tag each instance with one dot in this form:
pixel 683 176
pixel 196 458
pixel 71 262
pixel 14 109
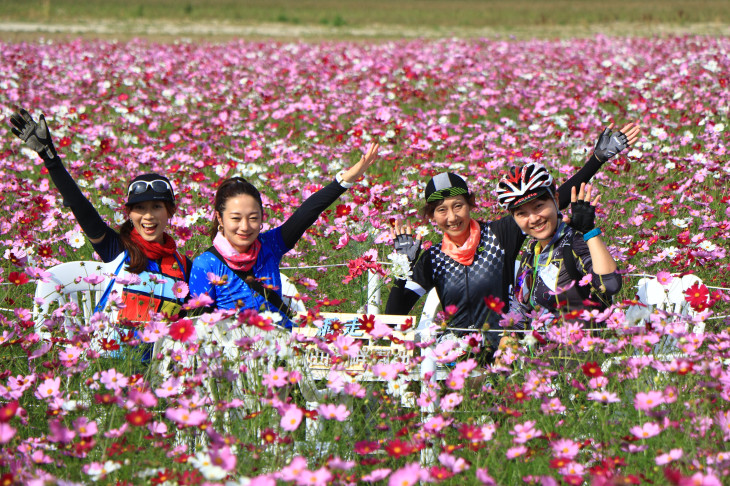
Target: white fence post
pixel 373 300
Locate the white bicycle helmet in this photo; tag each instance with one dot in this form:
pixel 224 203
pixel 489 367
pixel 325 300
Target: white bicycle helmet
pixel 523 184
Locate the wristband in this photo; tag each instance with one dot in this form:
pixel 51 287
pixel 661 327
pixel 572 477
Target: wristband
pixel 341 181
pixel 592 233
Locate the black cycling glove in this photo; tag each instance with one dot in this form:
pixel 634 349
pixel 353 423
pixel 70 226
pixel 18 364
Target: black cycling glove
pixel 38 137
pixel 407 245
pixel 609 144
pixel 582 216
pixel 35 135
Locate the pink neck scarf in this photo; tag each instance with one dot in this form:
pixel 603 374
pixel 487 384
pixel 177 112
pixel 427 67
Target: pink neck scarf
pixel 234 259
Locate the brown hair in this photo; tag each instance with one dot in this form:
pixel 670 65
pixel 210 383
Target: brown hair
pixel 231 187
pixel 429 209
pixel 137 259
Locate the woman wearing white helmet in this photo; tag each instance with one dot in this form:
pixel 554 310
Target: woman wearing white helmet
pixel 562 253
pixel 476 260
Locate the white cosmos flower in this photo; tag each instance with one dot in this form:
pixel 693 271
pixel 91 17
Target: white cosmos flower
pixel 76 239
pixel 707 245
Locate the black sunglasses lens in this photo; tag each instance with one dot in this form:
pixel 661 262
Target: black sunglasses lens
pixel 160 186
pixel 138 187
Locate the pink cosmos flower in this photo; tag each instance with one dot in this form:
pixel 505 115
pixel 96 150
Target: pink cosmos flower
pixel 649 429
pixel 184 416
pixel 463 368
pixel 664 278
pixel 385 371
pixel 223 458
pixel 603 396
pixel 406 476
pixel 436 424
pixel 455 381
pixel 699 479
pixel 453 463
pixel 48 389
pixel 84 427
pixel 484 477
pixel 335 381
pixel 451 401
pixel 552 406
pixel 380 330
pixel 565 448
pixel 276 378
pixel 329 411
pixel 514 452
pixel 525 432
pixel 291 419
pixel 180 289
pixel 649 400
pixel 57 432
pixel 320 477
pixel 197 301
pixel 376 475
pixel 129 279
pixel 113 380
pixel 94 279
pixel 355 390
pixel 347 345
pixel 7 432
pixel 340 464
pixel 295 468
pixel 169 387
pixel 673 455
pixel 426 399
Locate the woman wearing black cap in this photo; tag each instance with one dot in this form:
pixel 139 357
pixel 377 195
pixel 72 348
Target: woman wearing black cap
pixel 476 260
pixel 151 253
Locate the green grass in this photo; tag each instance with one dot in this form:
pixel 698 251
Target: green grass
pixel 350 13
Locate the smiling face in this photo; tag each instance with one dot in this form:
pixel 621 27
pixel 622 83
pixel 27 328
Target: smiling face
pixel 538 219
pixel 241 221
pixel 453 217
pixel 150 219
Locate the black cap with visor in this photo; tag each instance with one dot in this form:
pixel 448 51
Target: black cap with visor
pixel 150 187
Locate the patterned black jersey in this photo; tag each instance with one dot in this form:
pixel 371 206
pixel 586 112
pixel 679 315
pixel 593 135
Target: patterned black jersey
pixel 466 287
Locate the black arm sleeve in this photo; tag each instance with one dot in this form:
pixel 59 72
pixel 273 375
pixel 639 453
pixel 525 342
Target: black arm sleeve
pixel 583 175
pixel 305 216
pixel 87 217
pixel 402 299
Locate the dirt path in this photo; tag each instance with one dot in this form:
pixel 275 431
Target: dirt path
pixel 161 30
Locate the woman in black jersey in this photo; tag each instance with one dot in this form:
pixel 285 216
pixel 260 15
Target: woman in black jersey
pixel 476 260
pixel 149 251
pixel 567 266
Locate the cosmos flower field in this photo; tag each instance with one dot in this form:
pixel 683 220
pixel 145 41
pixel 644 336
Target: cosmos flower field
pixel 584 407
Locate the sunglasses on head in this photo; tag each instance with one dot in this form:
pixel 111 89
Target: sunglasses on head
pixel 141 186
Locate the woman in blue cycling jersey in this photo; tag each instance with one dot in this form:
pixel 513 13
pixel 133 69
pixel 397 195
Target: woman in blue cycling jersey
pixel 241 269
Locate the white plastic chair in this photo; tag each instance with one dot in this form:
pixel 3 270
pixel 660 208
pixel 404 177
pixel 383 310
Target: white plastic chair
pixel 65 285
pixel 669 299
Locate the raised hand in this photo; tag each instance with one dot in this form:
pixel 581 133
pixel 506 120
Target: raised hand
pixel 582 209
pixel 404 242
pixel 610 143
pixel 357 170
pixel 35 135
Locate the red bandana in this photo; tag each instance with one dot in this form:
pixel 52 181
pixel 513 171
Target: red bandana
pixel 152 249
